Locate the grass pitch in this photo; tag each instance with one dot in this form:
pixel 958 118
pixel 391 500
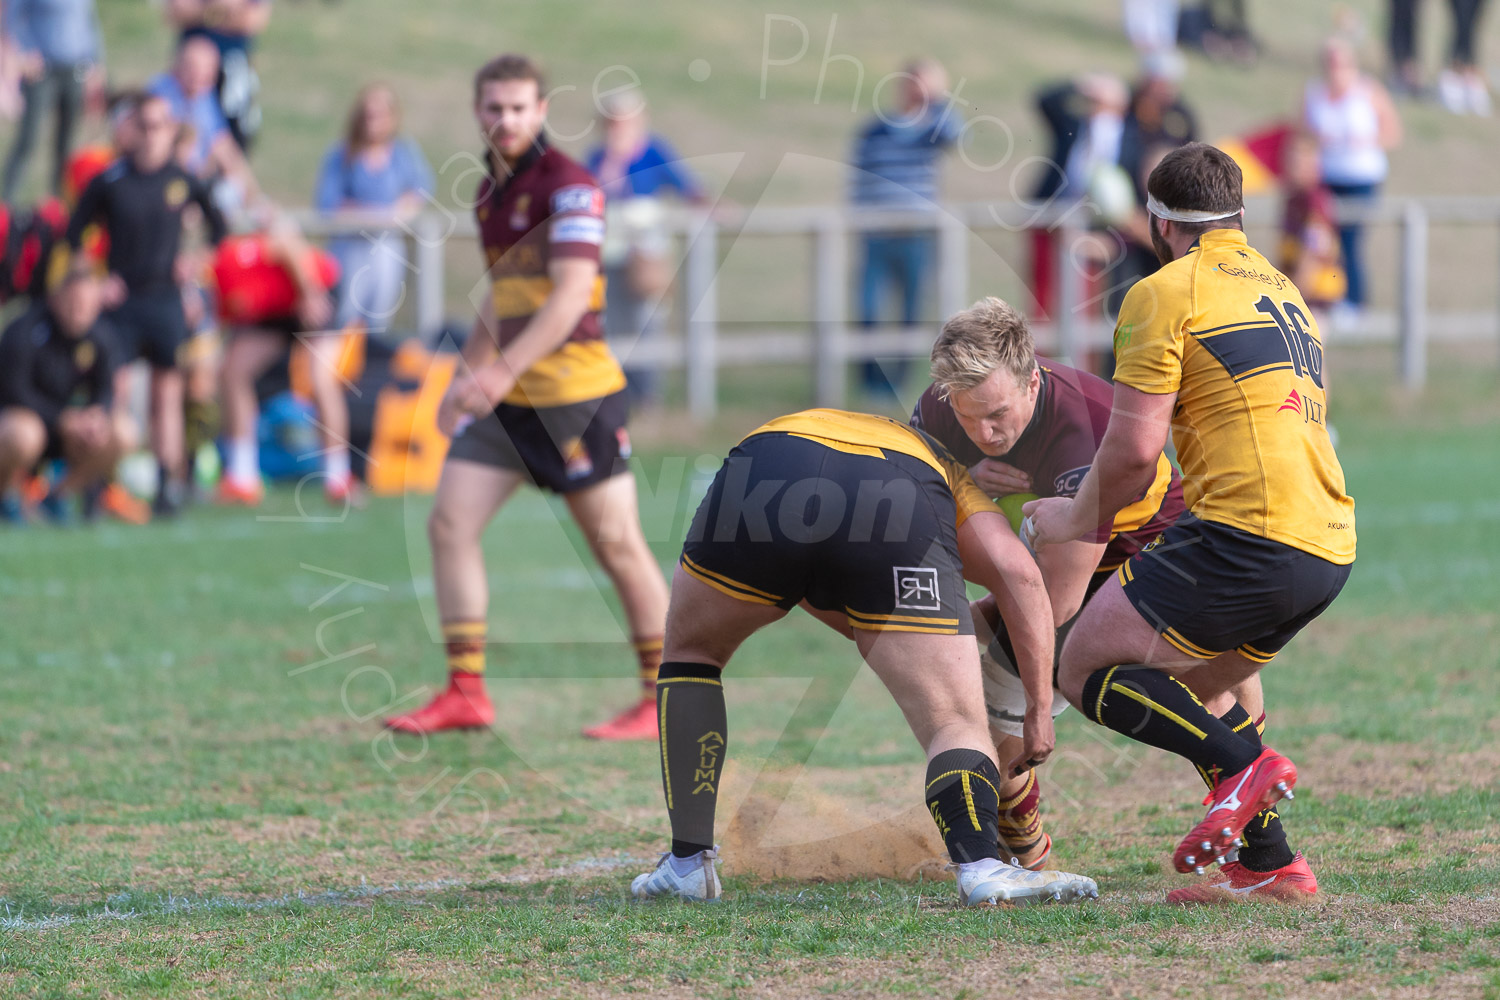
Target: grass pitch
pixel 196 799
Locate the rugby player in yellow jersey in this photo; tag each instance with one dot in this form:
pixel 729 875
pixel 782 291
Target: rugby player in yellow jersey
pixel 542 401
pixel 1220 349
pixel 872 526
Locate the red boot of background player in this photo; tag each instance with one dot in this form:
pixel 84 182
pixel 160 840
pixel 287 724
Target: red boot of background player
pixel 638 722
pixel 464 704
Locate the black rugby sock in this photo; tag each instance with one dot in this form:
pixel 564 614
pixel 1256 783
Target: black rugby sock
pixel 694 727
pixel 964 799
pixel 1157 709
pixel 1265 847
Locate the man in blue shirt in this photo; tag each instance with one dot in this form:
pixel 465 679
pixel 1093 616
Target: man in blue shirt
pixel 232 25
pixel 896 165
pixel 189 91
pixel 61 60
pixel 637 169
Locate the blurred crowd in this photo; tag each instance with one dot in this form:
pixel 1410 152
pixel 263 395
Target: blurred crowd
pixel 187 135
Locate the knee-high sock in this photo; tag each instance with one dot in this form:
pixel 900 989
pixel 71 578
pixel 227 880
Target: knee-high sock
pixel 964 799
pixel 1157 709
pixel 694 731
pixel 1265 847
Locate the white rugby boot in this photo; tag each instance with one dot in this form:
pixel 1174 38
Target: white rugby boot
pixel 700 884
pixel 990 881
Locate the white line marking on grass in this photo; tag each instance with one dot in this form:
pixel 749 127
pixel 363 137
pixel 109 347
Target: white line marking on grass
pixel 14 920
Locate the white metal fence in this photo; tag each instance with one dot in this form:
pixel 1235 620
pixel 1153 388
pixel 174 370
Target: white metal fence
pixel 829 341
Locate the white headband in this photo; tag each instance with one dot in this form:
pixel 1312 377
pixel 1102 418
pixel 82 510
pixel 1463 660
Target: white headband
pixel 1161 211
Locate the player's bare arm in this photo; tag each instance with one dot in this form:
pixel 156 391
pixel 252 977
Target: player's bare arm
pixel 994 558
pixel 1067 570
pixel 1124 467
pixel 479 350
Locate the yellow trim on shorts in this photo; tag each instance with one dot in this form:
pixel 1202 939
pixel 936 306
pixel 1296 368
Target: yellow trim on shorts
pixel 887 627
pixel 1125 574
pixel 725 585
pixel 1249 652
pixel 1187 646
pixel 689 680
pixel 900 618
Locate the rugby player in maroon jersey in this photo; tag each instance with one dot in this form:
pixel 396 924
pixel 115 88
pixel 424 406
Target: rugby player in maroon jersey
pixel 540 400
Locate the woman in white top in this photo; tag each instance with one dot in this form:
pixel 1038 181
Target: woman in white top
pixel 1352 117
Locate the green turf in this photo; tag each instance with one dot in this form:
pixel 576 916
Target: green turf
pixel 195 798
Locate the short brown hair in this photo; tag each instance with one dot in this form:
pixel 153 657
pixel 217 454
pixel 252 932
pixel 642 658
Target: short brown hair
pixel 988 336
pixel 1202 178
pixel 509 66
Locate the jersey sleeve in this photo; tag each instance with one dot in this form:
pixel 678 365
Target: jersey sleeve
pixel 967 496
pixel 1148 337
pixel 576 225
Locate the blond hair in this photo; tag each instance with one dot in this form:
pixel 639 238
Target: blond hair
pixel 989 336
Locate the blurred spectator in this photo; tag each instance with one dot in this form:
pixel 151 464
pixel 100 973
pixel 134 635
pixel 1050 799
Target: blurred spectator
pixel 57 367
pixel 1309 233
pixel 1087 121
pixel 1158 122
pixel 207 149
pixel 1352 117
pixel 1151 25
pixel 373 170
pixel 635 168
pixel 140 202
pixel 188 88
pixel 1220 29
pixel 1462 87
pixel 1401 45
pixel 60 56
pixel 232 26
pixel 896 162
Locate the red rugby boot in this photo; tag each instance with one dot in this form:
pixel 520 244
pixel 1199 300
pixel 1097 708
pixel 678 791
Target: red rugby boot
pixel 1231 806
pixel 638 722
pixel 1293 883
pixel 463 704
pixel 233 493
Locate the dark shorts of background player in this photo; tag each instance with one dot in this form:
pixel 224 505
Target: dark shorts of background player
pixel 874 539
pixel 559 448
pixel 1004 652
pixel 150 325
pixel 1208 588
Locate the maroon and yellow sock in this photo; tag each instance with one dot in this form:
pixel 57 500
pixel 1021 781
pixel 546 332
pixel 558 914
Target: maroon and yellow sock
pixel 648 656
pixel 1020 825
pixel 464 644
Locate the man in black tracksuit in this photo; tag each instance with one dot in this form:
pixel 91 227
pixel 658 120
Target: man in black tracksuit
pixel 140 202
pixel 57 368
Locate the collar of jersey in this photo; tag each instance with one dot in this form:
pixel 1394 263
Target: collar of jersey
pixel 1220 237
pixel 538 147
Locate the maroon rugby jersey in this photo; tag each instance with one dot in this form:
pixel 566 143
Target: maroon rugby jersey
pixel 546 208
pixel 1057 448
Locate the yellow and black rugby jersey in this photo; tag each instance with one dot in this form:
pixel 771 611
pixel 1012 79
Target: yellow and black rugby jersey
pixel 868 434
pixel 1232 336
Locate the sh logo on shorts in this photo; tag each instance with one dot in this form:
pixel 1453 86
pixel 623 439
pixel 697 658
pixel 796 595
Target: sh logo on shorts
pixel 917 588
